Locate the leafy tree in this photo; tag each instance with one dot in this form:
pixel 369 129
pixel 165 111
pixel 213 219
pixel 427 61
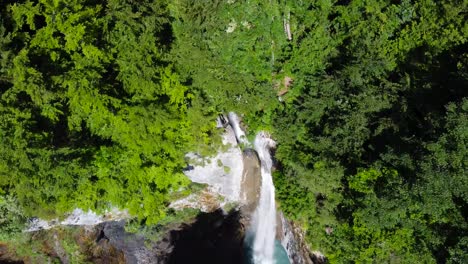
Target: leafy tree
pixel 94 114
pixel 374 106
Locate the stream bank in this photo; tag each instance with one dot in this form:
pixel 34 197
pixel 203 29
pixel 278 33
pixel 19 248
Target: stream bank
pixel 233 180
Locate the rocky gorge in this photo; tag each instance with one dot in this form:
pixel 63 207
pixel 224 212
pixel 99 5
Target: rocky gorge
pixel 218 234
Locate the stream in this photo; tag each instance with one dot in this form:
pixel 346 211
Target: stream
pixel 239 175
pixel 261 244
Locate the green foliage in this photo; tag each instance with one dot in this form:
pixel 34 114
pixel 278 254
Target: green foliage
pixel 365 180
pixel 93 113
pixel 99 102
pixel 375 247
pixel 294 200
pixel 227 51
pixel 12 220
pixel 50 246
pixel 377 99
pixel 154 232
pixel 458 253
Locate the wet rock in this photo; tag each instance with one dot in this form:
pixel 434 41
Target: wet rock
pixel 292 238
pixel 215 237
pixel 7 257
pixel 59 250
pixel 206 201
pixel 318 258
pixel 251 181
pixel 132 246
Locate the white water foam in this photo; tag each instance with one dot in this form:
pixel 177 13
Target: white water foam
pixel 235 123
pixel 264 218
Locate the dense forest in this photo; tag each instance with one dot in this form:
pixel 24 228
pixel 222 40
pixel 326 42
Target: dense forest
pixel 367 100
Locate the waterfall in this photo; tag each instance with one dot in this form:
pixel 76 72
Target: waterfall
pixel 264 218
pixel 240 135
pixel 263 246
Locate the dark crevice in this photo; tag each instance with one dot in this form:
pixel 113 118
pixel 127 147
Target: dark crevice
pixel 212 238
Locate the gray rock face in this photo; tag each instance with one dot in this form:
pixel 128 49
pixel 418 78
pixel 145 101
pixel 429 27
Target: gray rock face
pixel 131 245
pixel 6 257
pixel 214 237
pixel 292 239
pixel 251 182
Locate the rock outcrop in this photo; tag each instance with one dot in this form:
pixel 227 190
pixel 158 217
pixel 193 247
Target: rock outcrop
pixel 7 255
pixel 251 182
pixel 232 177
pixel 215 237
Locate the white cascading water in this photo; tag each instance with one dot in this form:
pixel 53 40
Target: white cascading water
pixel 264 218
pixel 263 226
pixel 235 124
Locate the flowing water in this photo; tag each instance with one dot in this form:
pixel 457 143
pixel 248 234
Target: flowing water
pixel 264 218
pixel 235 124
pixel 261 244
